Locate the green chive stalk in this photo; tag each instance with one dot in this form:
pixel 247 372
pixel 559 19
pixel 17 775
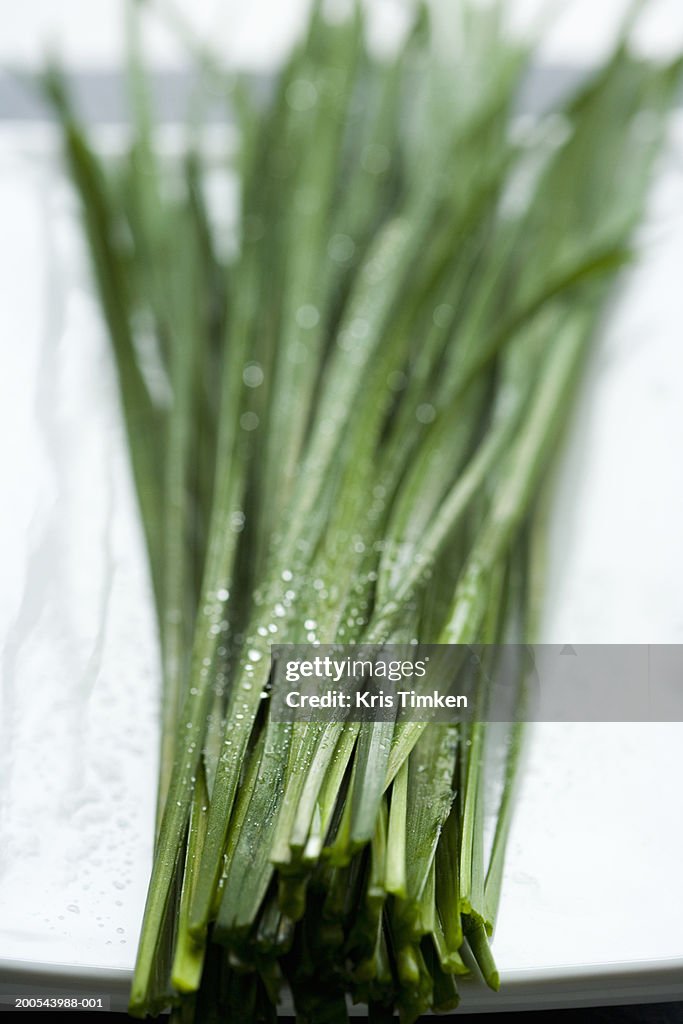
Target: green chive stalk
pixel 341 422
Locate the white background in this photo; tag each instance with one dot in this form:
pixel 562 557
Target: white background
pixel 88 33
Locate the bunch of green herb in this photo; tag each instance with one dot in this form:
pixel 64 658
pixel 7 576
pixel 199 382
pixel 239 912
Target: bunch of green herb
pixel 340 420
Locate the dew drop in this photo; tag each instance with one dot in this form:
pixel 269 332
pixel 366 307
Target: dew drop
pixel 341 248
pixel 360 328
pixel 237 521
pixel 442 314
pixel 307 317
pixel 302 94
pixel 249 421
pixel 252 375
pixel 426 413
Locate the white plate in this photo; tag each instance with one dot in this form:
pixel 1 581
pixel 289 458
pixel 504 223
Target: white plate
pixel 593 887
